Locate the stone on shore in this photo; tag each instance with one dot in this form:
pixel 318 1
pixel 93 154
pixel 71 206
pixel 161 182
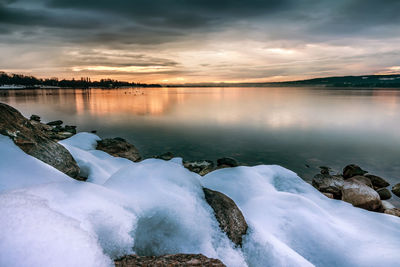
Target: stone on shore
pixel 326 183
pixel 55 123
pixel 201 167
pixel 165 156
pixel 361 195
pixel 226 162
pixel 384 193
pixel 35 118
pixel 377 181
pixel 394 212
pixel 30 137
pixel 352 170
pixel 361 179
pixel 176 260
pixel 229 216
pixel 119 147
pixel 396 189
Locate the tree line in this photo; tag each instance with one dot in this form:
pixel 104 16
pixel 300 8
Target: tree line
pixel 84 82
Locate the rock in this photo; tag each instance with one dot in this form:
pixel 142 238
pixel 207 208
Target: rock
pixel 352 170
pixel 396 189
pixel 70 129
pixel 33 141
pixel 229 216
pixel 119 147
pixel 329 184
pixel 165 156
pixel 384 193
pixel 57 129
pixel 176 260
pixel 226 162
pixel 394 211
pixel 328 195
pixel 201 167
pixel 55 123
pixel 35 118
pixel 361 195
pixel 361 179
pixel 377 181
pixel 387 205
pixel 325 170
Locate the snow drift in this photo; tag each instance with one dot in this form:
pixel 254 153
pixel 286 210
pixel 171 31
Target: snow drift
pixel 157 207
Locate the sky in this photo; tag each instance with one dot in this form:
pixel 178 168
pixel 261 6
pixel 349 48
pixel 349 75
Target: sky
pixel 189 41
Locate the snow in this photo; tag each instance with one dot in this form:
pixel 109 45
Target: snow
pixel 157 207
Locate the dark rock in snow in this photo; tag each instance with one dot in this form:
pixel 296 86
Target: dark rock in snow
pixel 229 216
pixel 394 212
pixel 201 167
pixel 352 170
pixel 30 137
pixel 361 195
pixel 377 181
pixel 165 156
pixel 176 260
pixel 119 147
pixel 384 193
pixel 35 118
pixel 227 162
pixel 396 189
pixel 70 129
pixel 329 184
pixel 55 123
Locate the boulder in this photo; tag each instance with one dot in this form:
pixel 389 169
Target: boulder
pixel 329 195
pixel 226 162
pixel 35 118
pixel 384 193
pixel 33 141
pixel 361 179
pixel 70 129
pixel 394 212
pixel 377 181
pixel 119 147
pixel 165 156
pixel 201 167
pixel 396 189
pixel 229 216
pixel 55 123
pixel 176 260
pixel 361 195
pixel 325 170
pixel 329 184
pixel 352 170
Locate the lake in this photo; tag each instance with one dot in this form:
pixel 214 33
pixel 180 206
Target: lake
pixel 298 128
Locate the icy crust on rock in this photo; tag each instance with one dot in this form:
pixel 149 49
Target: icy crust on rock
pixel 292 224
pixel 157 207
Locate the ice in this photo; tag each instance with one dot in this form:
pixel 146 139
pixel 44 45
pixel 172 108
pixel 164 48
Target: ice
pixel 157 207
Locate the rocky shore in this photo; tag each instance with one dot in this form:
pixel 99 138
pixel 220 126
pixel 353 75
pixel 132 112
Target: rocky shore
pixel 40 140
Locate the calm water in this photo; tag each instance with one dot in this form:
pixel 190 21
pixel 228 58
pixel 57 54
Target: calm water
pixel 292 127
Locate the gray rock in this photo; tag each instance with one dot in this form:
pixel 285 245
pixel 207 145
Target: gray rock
pixel 176 260
pixel 229 216
pixel 377 181
pixel 361 179
pixel 361 195
pixel 329 184
pixel 352 170
pixel 227 162
pixel 70 129
pixel 325 170
pixel 119 147
pixel 396 189
pixel 30 137
pixel 384 193
pixel 201 167
pixel 55 123
pixel 35 118
pixel 165 156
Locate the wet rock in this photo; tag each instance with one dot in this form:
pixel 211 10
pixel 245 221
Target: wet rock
pixel 55 123
pixel 352 170
pixel 384 193
pixel 33 141
pixel 35 118
pixel 377 181
pixel 165 156
pixel 176 260
pixel 361 179
pixel 229 216
pixel 396 189
pixel 394 212
pixel 325 170
pixel 226 162
pixel 387 205
pixel 361 195
pixel 329 195
pixel 119 147
pixel 70 129
pixel 329 184
pixel 201 167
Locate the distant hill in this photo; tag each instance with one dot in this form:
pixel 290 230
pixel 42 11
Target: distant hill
pixel 387 81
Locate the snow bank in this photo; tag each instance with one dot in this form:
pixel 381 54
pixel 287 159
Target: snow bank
pixel 157 207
